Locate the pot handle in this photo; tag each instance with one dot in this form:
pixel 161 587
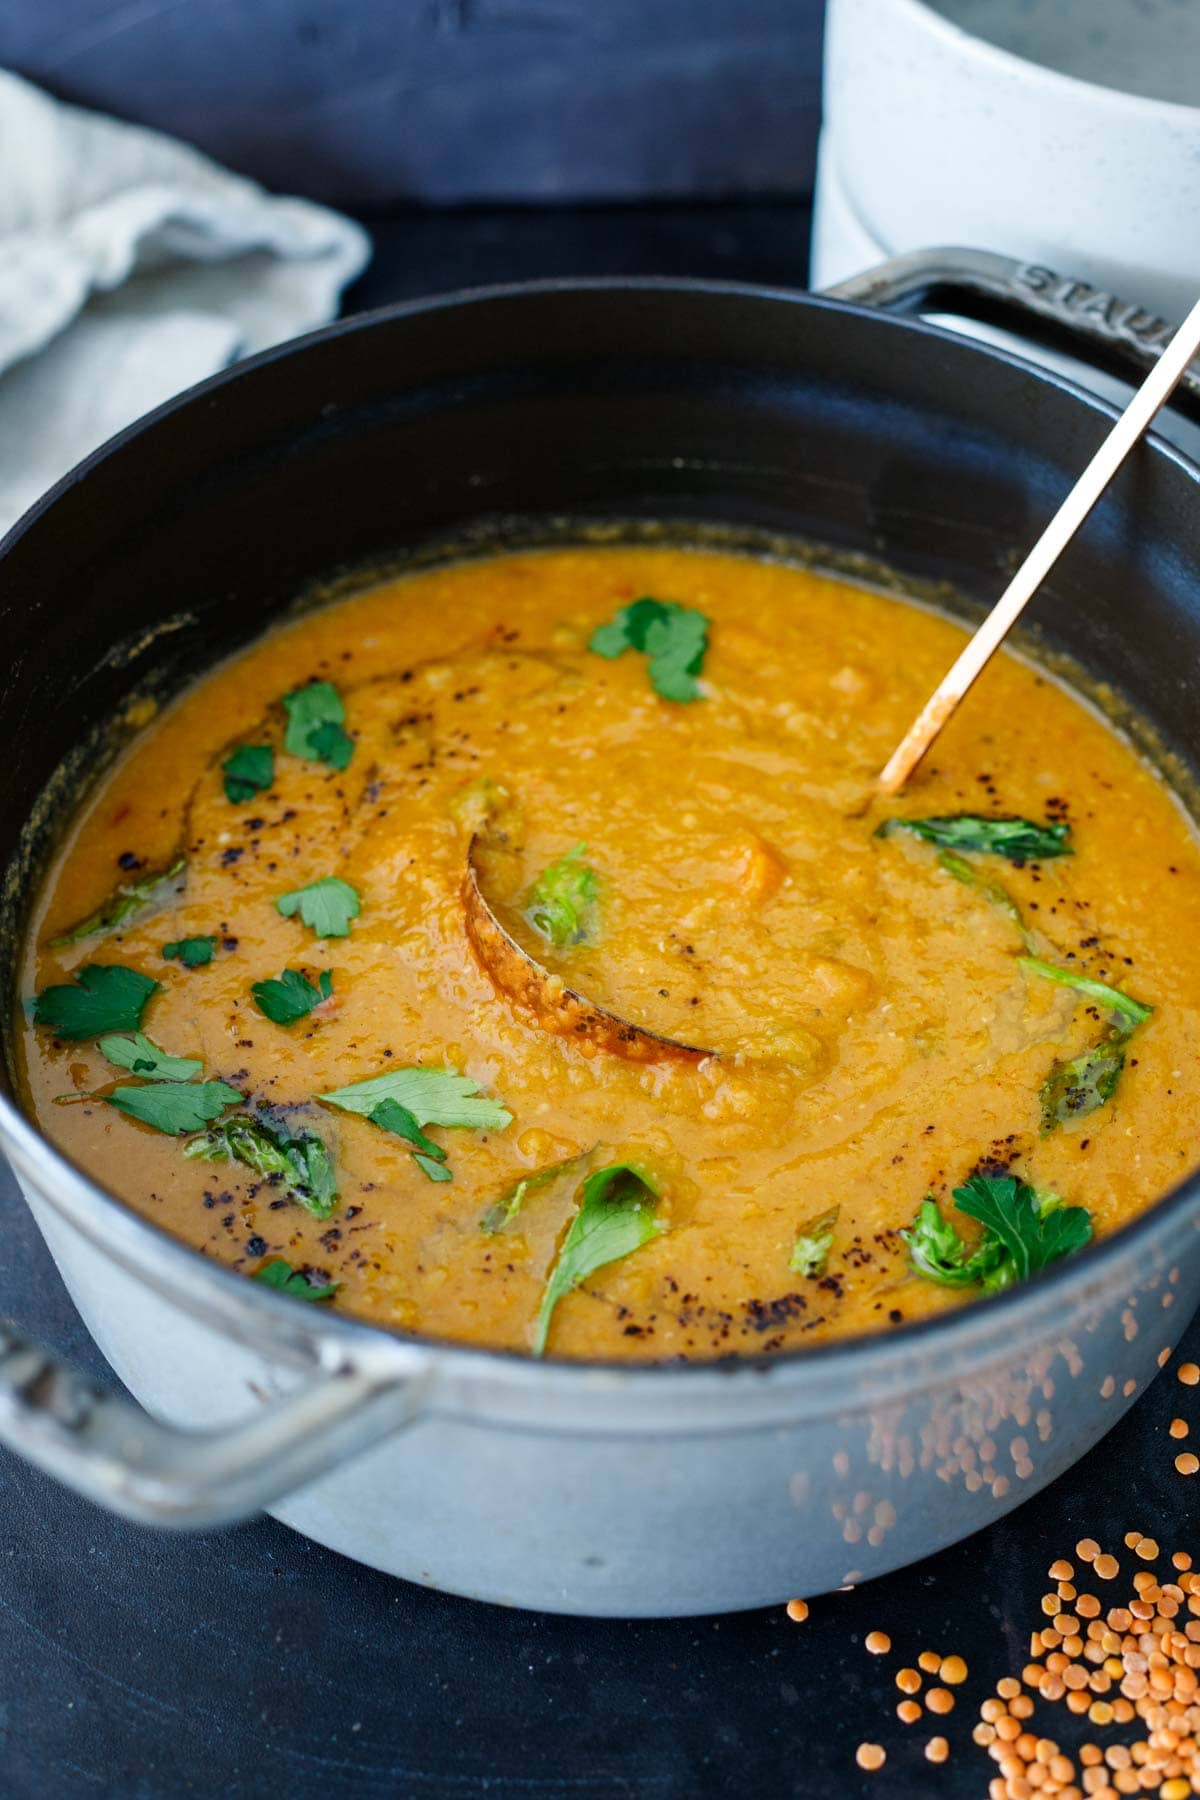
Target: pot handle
pixel 110 1451
pixel 1051 309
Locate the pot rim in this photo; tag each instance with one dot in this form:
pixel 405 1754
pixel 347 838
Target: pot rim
pixel 254 1313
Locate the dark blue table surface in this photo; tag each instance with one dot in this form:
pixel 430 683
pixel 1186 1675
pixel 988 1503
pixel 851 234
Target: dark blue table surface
pixel 251 1663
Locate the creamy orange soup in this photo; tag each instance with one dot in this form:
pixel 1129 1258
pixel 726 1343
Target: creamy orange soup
pixel 791 1028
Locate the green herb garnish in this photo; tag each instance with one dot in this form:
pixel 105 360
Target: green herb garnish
pixel 674 639
pixel 192 952
pixel 281 1276
pixel 302 1164
pixel 1082 1084
pixel 150 891
pixel 315 725
pixel 1020 840
pixel 999 896
pixel 326 906
pixel 615 1217
pixel 1024 1230
pixel 175 1106
pixel 1124 1007
pixel 249 771
pixel 105 997
pixel 561 903
pixel 291 996
pixel 389 1115
pixel 142 1057
pixel 814 1240
pixel 506 1208
pixel 432 1096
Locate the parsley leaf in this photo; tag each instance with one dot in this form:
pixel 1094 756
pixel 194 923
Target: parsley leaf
pixel 302 1164
pixel 153 889
pixel 561 903
pixel 326 906
pixel 175 1106
pixel 814 1240
pixel 106 997
pixel 1020 840
pixel 1024 1230
pixel 389 1115
pixel 674 639
pixel 192 952
pixel 1082 1084
pixel 615 1217
pixel 315 725
pixel 297 1286
pixel 142 1057
pixel 291 996
pixel 1128 1011
pixel 432 1096
pixel 249 771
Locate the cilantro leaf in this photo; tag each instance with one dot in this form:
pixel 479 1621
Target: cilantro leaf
pixel 814 1240
pixel 152 890
pixel 142 1057
pixel 1035 1230
pixel 999 896
pixel 432 1096
pixel 501 1211
pixel 326 906
pixel 175 1106
pixel 1024 1230
pixel 561 903
pixel 1020 840
pixel 316 717
pixel 615 1217
pixel 291 996
pixel 302 1164
pixel 249 771
pixel 1128 1011
pixel 106 997
pixel 389 1115
pixel 192 952
pixel 674 639
pixel 297 1286
pixel 1082 1084
pixel 331 743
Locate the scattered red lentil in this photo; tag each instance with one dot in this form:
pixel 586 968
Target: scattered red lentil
pixel 1146 1548
pixel 878 1643
pixel 1186 1463
pixel 937 1749
pixel 1087 1550
pixel 1178 1428
pixel 1106 1567
pixel 908 1712
pixel 908 1681
pixel 870 1756
pixel 953 1669
pixel 1188 1373
pixel 930 1661
pixel 797 1611
pixel 939 1700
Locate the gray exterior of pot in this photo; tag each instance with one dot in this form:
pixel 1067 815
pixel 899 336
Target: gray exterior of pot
pixel 639 1492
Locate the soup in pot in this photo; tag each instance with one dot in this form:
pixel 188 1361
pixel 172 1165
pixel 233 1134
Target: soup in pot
pixel 518 953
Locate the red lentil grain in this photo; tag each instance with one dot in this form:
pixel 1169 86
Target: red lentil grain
pixel 1187 1464
pixel 797 1611
pixel 878 1643
pixel 937 1750
pixel 870 1756
pixel 1188 1373
pixel 939 1700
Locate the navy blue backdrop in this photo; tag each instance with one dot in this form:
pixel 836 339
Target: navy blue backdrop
pixel 372 103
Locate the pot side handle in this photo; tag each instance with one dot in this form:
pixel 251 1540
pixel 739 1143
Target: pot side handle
pixel 110 1451
pixel 1051 309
